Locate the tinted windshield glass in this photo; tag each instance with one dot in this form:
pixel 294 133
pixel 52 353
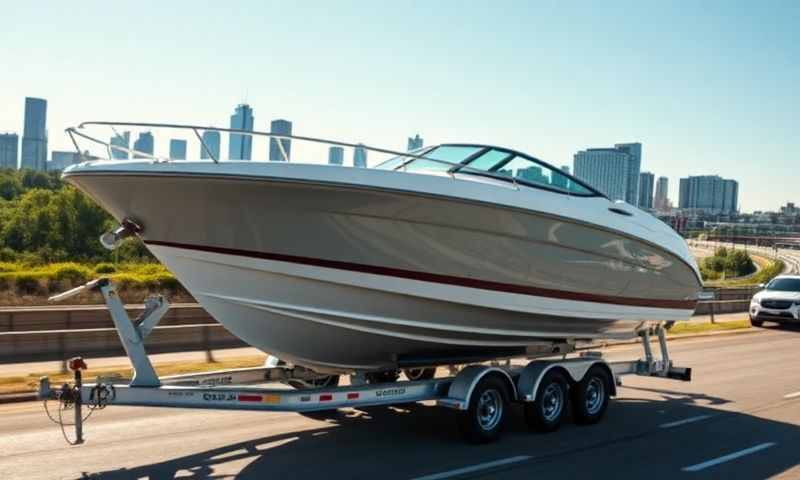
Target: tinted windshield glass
pixel 488 160
pixel 785 285
pixel 450 156
pixel 529 171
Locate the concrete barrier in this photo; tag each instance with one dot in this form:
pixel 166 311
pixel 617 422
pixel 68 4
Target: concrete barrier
pixel 44 345
pixel 29 319
pixel 722 307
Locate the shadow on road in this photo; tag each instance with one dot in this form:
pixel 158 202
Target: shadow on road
pixel 416 440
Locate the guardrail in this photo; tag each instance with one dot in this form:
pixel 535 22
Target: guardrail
pixel 56 333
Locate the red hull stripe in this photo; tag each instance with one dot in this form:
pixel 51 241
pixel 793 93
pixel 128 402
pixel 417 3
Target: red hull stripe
pixel 438 278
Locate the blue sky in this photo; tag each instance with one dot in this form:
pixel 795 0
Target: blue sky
pixel 708 87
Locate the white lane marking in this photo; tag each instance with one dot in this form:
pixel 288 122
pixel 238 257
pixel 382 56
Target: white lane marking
pixel 792 395
pixel 474 468
pixel 728 457
pixel 678 423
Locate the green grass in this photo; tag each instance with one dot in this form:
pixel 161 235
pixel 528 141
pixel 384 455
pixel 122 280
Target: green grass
pixel 772 269
pixel 687 328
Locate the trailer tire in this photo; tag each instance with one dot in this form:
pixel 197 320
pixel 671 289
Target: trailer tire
pixel 415 374
pixel 484 420
pixel 546 412
pixel 590 396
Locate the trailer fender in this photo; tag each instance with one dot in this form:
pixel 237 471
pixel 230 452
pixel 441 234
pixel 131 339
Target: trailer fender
pixel 575 369
pixel 460 391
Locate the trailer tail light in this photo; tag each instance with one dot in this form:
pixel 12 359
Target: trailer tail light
pixel 326 397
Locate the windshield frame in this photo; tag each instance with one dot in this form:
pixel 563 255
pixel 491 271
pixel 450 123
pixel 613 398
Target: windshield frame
pixel 463 167
pixel 593 192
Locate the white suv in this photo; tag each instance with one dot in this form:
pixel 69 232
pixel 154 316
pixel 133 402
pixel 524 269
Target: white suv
pixel 778 302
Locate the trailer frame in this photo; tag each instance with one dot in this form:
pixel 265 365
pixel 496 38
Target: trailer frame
pixel 465 391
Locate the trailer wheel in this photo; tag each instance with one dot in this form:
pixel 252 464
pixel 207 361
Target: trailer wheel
pixel 414 374
pixel 545 413
pixel 590 396
pixel 485 418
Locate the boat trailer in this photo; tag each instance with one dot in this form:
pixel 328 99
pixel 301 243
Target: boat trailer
pixel 480 392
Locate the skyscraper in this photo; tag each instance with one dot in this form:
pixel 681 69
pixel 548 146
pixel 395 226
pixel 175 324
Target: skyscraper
pixel 211 139
pixel 280 127
pixel 34 136
pixel 560 180
pixel 662 194
pixel 123 141
pixel 646 181
pixel 336 155
pixel 240 147
pixel 414 142
pixel 177 149
pixel 709 193
pixel 635 152
pixel 9 149
pixel 61 160
pixel 606 169
pixel 360 156
pixel 145 144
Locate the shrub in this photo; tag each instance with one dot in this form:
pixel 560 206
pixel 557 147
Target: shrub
pixel 101 268
pixel 70 271
pixel 8 267
pixel 28 282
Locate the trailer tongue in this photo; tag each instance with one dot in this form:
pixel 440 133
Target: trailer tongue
pixel 481 393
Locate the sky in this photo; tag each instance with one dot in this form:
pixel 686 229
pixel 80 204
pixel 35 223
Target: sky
pixel 707 87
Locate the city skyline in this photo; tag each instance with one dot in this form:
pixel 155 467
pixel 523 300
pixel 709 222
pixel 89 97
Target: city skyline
pixel 717 94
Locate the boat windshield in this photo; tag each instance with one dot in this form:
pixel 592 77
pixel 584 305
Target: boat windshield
pixel 784 285
pixel 491 162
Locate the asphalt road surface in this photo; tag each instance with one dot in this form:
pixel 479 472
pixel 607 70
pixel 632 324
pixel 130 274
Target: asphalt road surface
pixel 738 418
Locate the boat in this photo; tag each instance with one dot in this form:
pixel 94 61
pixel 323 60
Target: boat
pixel 448 254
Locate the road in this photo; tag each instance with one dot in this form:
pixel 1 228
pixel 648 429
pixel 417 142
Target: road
pixel 733 415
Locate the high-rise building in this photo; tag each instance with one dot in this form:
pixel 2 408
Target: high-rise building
pixel 646 185
pixel 280 127
pixel 145 144
pixel 177 149
pixel 336 155
pixel 211 140
pixel 34 135
pixel 709 194
pixel 9 150
pixel 60 160
pixel 123 141
pixel 606 169
pixel 661 202
pixel 360 156
pixel 635 152
pixel 414 143
pixel 240 147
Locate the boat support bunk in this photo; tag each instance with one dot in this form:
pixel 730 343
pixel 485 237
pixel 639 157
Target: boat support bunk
pixel 480 392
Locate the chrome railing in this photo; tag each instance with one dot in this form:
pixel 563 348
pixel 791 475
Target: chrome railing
pixel 457 168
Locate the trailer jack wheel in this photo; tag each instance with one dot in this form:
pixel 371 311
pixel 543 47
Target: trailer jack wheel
pixel 590 396
pixel 546 412
pixel 484 420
